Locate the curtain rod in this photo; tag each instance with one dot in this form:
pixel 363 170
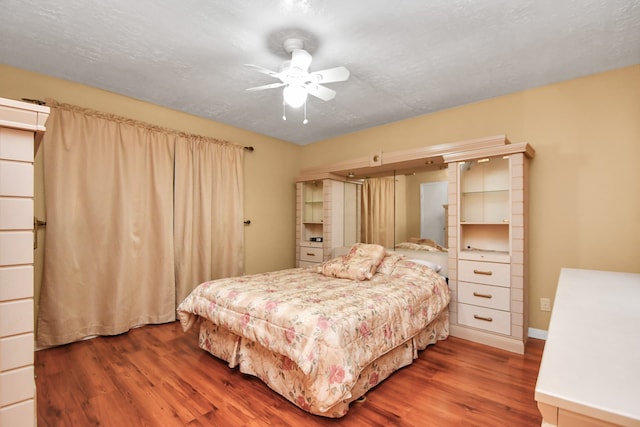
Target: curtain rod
pixel 34 101
pixel 40 102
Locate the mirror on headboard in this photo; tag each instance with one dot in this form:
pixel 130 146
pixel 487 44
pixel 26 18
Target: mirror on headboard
pixel 421 205
pixel 405 206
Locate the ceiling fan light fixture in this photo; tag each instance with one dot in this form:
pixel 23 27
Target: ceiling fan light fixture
pixel 297 81
pixel 295 96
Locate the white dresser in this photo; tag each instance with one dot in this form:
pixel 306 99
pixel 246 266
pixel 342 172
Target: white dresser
pixel 590 370
pixel 20 124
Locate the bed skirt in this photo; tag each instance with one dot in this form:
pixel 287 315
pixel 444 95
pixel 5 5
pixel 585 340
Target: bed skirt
pixel 285 378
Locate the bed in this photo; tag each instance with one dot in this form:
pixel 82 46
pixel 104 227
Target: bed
pixel 323 336
pixel 427 250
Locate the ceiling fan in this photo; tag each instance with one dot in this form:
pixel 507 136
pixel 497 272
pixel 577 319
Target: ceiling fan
pixel 296 79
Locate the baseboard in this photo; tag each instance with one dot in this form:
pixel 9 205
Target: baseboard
pixel 494 340
pixel 540 334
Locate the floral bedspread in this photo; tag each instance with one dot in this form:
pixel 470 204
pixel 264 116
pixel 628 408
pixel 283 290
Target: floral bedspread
pixel 416 247
pixel 331 328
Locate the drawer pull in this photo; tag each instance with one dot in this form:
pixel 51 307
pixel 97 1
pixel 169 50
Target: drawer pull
pixel 310 254
pixel 476 294
pixel 486 273
pixel 486 319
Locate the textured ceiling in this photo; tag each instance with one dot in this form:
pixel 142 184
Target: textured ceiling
pixel 406 58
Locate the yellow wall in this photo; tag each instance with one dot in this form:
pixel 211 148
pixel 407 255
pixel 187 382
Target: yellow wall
pixel 269 190
pixel 584 180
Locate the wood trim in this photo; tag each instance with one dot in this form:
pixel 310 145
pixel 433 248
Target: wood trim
pixel 399 157
pixel 499 341
pixel 320 176
pixel 358 163
pixel 422 158
pixel 498 150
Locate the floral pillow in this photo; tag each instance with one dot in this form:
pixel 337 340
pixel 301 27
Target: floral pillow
pixel 333 267
pixel 389 262
pixel 359 264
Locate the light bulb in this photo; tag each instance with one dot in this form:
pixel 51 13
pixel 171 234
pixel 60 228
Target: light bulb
pixel 294 96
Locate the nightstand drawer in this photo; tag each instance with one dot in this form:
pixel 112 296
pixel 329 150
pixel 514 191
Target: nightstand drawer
pixel 488 273
pixel 484 295
pixel 304 264
pixel 310 254
pixel 484 318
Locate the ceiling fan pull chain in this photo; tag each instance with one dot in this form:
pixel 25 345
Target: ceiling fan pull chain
pixel 284 110
pixel 305 121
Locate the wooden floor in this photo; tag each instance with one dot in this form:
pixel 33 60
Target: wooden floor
pixel 157 376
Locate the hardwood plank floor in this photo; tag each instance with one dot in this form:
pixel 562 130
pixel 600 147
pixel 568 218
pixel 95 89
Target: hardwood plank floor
pixel 157 376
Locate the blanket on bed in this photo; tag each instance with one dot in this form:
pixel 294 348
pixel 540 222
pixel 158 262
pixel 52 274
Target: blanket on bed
pixel 331 328
pixel 419 244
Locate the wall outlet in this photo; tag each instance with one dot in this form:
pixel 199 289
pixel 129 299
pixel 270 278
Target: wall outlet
pixel 545 304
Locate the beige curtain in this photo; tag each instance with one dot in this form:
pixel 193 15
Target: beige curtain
pixel 209 229
pixel 110 262
pixel 378 211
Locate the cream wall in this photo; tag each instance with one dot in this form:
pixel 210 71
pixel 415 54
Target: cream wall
pixel 269 190
pixel 584 180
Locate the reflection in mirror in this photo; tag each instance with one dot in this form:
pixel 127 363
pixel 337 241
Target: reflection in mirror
pixel 352 213
pixel 421 217
pixel 393 210
pixel 377 210
pixel 425 204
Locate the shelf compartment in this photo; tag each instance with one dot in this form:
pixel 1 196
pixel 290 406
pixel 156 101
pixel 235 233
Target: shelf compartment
pixel 490 207
pixel 312 202
pixel 485 237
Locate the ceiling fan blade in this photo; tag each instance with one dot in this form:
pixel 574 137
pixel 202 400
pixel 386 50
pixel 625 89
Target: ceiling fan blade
pixel 301 59
pixel 264 70
pixel 321 92
pixel 337 74
pixel 263 87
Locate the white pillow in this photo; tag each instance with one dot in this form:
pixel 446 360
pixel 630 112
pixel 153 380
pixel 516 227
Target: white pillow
pixel 435 267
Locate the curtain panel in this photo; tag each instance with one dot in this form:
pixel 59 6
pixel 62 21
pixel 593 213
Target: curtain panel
pixel 112 210
pixel 209 230
pixel 378 211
